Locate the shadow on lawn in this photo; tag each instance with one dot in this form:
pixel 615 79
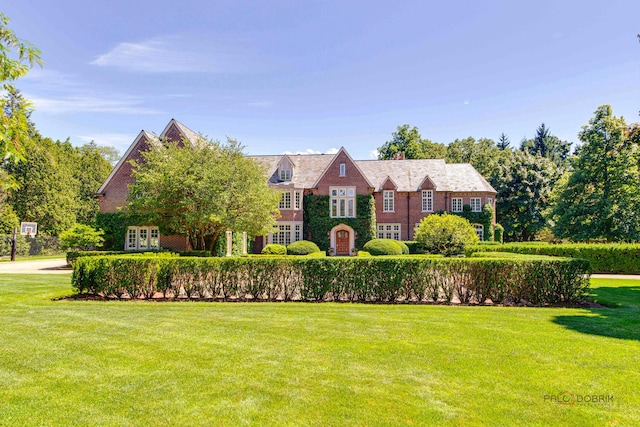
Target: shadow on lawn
pixel 622 320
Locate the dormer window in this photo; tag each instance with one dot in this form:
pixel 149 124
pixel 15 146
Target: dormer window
pixel 343 169
pixel 285 174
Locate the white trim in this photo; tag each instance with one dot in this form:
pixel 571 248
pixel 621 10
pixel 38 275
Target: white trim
pixel 478 201
pixel 343 202
pixel 342 227
pixel 389 231
pixel 142 238
pixel 290 231
pixel 343 169
pixel 455 208
pixel 388 201
pixel 479 228
pixel 427 200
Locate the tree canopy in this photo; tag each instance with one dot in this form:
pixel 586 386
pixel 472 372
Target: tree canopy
pixel 201 191
pixel 601 199
pixel 408 140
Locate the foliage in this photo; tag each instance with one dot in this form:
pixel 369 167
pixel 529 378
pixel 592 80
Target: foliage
pixel 357 279
pixel 274 249
pixel 548 146
pixel 114 225
pixel 8 220
pixel 483 154
pixel 409 141
pixel 72 256
pixel 414 247
pixel 378 247
pixel 202 190
pixel 17 56
pixel 498 233
pixel 302 247
pixel 524 183
pixel 81 237
pixel 503 142
pixel 600 199
pixel 92 166
pixel 317 221
pixel 604 257
pixel 445 234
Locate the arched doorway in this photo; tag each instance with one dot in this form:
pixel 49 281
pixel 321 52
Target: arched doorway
pixel 342 239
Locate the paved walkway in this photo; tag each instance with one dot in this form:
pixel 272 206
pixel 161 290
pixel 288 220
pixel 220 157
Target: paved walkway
pixel 616 276
pixel 43 266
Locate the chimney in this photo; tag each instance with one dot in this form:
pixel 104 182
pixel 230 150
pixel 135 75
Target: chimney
pixel 395 156
pixel 402 156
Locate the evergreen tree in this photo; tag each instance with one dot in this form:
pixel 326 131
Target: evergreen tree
pixel 503 142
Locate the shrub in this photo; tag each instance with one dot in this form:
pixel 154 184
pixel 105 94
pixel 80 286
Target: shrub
pixel 537 280
pixel 377 247
pixel 274 249
pixel 445 234
pixel 302 247
pixel 414 247
pixel 404 247
pixel 498 233
pixel 81 237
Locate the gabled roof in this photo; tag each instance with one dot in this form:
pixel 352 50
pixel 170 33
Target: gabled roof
pixel 409 175
pixel 152 139
pixel 307 168
pixel 342 151
pixel 186 133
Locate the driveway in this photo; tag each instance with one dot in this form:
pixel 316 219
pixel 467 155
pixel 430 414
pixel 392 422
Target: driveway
pixel 43 266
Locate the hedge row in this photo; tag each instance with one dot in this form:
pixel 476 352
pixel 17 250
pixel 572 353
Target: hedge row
pixel 604 257
pixel 357 279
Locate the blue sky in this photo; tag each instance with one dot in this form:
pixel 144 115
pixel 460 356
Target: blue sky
pixel 311 76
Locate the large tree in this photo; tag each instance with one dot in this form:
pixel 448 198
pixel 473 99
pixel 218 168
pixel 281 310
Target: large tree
pixel 17 56
pixel 601 198
pixel 483 154
pixel 545 144
pixel 92 166
pixel 523 183
pixel 201 191
pixel 408 141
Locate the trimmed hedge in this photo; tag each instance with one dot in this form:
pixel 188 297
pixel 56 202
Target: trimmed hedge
pixel 377 247
pixel 622 258
pixel 415 279
pixel 302 247
pixel 274 249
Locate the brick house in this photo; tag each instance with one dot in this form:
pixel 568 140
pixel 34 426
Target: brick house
pixel 330 191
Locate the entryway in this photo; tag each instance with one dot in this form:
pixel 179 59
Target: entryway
pixel 342 239
pixel 342 243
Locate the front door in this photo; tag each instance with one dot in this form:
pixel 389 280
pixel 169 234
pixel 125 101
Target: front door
pixel 342 242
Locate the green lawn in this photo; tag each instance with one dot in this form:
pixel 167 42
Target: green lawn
pixel 188 363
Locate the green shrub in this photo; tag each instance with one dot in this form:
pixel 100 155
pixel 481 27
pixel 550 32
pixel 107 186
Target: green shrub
pixel 81 237
pixel 620 258
pixel 377 247
pixel 404 247
pixel 414 247
pixel 498 233
pixel 302 247
pixel 536 280
pixel 274 249
pixel 445 234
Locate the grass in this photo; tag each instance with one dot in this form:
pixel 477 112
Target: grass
pixel 32 258
pixel 142 363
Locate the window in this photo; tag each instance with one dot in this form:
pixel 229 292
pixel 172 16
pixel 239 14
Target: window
pixel 285 200
pixel 286 233
pixel 389 231
pixel 343 169
pixel 490 201
pixel 479 230
pixel 285 174
pixel 456 204
pixel 141 238
pixel 343 202
pixel 387 201
pixel 476 204
pixel 298 200
pixel 427 200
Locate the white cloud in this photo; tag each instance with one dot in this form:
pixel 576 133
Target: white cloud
pixel 91 104
pixel 312 151
pixel 373 154
pixel 176 54
pixel 466 102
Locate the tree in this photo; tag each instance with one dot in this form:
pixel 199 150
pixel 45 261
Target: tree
pixel 409 141
pixel 92 166
pixel 503 142
pixel 445 234
pixel 546 145
pixel 81 237
pixel 16 58
pixel 523 183
pixel 482 154
pixel 201 191
pixel 600 199
pixel 48 188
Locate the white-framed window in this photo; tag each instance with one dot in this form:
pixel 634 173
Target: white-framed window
pixel 343 169
pixel 389 231
pixel 297 200
pixel 342 202
pixel 387 200
pixel 142 238
pixel 427 200
pixel 286 233
pixel 285 174
pixel 285 200
pixel 456 204
pixel 476 204
pixel 479 231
